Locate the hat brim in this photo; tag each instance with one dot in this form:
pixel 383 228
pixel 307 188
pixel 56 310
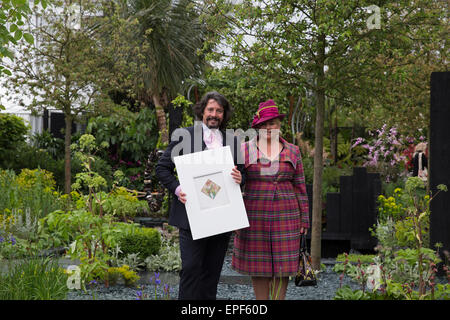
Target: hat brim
pixel 262 120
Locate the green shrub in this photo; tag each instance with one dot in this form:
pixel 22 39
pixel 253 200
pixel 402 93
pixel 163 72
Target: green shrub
pixel 129 276
pixel 124 204
pixel 168 259
pixel 145 242
pixel 13 132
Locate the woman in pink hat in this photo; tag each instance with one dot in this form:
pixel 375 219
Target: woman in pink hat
pixel 277 207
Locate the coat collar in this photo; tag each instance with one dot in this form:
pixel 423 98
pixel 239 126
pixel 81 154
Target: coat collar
pixel 289 154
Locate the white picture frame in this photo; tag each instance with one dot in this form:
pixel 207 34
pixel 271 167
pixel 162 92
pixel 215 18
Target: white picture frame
pixel 215 206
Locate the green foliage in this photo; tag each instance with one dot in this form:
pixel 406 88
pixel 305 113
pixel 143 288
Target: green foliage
pixel 391 207
pixel 122 203
pixel 145 242
pixel 129 276
pixel 85 152
pixel 403 234
pixel 353 258
pixel 181 102
pixel 12 136
pixel 168 259
pixel 90 238
pixel 129 135
pixel 33 279
pixel 346 293
pixel 245 92
pixel 404 268
pixel 12 131
pixel 46 141
pixel 13 14
pixel 31 190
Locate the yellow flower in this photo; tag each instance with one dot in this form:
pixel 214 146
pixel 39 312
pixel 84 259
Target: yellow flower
pixel 397 190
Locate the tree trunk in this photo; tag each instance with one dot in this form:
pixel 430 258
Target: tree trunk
pixel 161 119
pixel 316 231
pixel 67 156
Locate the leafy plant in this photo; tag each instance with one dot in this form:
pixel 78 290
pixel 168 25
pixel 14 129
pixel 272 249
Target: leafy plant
pixel 33 279
pixel 13 132
pixel 168 259
pixel 144 242
pixel 354 258
pixel 124 272
pixel 406 265
pixel 46 141
pixel 123 203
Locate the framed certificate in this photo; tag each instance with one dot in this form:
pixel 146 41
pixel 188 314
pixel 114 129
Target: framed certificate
pixel 214 200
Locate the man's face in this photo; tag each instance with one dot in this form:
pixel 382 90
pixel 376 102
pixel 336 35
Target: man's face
pixel 213 114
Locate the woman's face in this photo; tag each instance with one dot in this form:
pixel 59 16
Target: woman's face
pixel 269 128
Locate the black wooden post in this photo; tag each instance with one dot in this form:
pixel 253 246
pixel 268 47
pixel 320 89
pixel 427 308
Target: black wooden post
pixel 333 208
pixel 439 171
pixel 360 208
pixel 345 221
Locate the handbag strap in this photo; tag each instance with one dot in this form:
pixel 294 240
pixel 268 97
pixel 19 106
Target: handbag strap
pixel 303 247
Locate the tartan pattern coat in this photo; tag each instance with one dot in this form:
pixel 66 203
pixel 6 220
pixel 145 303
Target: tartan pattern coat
pixel 277 207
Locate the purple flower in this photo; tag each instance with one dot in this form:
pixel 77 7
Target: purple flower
pixel 358 141
pixel 2 239
pixel 393 131
pixel 13 240
pixel 157 280
pixel 139 295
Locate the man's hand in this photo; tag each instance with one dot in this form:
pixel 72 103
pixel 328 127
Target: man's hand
pixel 182 197
pixel 236 174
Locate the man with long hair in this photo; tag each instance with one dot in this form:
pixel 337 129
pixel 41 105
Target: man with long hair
pixel 202 259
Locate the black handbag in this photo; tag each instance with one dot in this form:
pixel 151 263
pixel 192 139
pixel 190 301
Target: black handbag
pixel 305 274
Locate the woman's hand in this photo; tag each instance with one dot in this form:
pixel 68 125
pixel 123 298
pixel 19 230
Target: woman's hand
pixel 303 231
pixel 236 174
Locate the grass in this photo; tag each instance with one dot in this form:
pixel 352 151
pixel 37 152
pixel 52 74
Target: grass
pixel 33 279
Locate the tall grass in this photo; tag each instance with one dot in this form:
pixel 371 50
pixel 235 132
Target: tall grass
pixel 33 279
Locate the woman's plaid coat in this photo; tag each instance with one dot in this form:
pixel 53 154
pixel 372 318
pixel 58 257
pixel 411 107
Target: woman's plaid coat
pixel 277 207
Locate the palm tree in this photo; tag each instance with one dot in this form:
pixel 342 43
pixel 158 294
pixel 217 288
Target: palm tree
pixel 170 35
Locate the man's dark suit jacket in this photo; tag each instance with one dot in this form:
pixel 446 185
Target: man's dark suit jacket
pixel 165 167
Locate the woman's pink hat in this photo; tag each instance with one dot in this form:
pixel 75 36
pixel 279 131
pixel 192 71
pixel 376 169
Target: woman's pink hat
pixel 267 110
